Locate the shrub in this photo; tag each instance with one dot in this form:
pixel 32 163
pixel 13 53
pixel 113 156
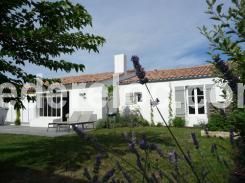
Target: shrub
pixel 218 122
pixel 178 122
pixel 237 119
pixel 130 120
pixel 159 124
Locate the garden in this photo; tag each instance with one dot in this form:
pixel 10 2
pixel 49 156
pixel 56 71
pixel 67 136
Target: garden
pixel 75 158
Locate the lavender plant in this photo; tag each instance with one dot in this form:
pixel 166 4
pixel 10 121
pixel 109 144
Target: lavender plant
pixel 140 73
pixel 145 167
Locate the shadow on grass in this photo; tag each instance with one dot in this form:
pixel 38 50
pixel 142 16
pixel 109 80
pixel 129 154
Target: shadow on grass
pixel 37 159
pixel 15 174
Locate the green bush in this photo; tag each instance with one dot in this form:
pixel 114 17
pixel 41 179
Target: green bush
pixel 178 122
pixel 130 120
pixel 159 124
pixel 237 120
pixel 218 122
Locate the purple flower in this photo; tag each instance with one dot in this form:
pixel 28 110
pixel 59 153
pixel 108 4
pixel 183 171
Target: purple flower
pixel 143 144
pixel 97 164
pixel 172 157
pixel 131 147
pixel 140 72
pixel 195 141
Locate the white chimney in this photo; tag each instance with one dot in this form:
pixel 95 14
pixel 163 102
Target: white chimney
pixel 120 64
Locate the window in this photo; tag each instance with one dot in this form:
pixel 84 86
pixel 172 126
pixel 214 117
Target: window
pixel 138 97
pixel 50 105
pixel 133 98
pixel 196 100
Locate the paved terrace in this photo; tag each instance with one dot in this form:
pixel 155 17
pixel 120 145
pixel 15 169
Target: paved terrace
pixel 25 130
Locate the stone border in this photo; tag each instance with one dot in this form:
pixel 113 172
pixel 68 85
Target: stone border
pixel 216 134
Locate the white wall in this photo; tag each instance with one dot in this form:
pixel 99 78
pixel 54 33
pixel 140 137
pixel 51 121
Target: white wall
pixel 161 91
pixel 91 102
pixel 26 115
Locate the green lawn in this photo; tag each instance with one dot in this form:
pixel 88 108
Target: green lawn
pixel 62 159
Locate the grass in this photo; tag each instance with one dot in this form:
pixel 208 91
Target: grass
pixel 62 159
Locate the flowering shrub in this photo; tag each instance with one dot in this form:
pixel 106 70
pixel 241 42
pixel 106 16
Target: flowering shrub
pixel 150 163
pixel 130 120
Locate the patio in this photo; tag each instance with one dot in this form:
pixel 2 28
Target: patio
pixel 37 131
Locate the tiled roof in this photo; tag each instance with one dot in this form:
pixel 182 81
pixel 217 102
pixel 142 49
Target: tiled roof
pixel 177 74
pixel 87 78
pixel 155 75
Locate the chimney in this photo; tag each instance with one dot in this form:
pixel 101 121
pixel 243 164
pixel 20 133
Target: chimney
pixel 120 64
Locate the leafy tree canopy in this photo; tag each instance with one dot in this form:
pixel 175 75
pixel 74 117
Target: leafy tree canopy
pixel 227 41
pixel 227 38
pixel 38 32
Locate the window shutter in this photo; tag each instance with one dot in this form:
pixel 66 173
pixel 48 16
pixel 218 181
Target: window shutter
pixel 129 98
pixel 180 101
pixel 208 91
pixel 208 96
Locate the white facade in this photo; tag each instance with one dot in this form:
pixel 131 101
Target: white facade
pixel 162 90
pixel 132 97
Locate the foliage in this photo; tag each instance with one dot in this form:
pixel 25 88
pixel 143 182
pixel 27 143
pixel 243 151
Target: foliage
pixel 170 109
pixel 237 118
pixel 218 122
pixel 47 159
pixel 178 122
pixel 17 120
pixel 130 120
pixel 149 169
pixel 227 37
pixel 39 32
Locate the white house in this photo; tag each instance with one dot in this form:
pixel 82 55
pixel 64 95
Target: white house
pixel 183 92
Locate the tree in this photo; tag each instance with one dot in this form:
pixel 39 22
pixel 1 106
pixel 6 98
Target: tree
pixel 227 38
pixel 38 32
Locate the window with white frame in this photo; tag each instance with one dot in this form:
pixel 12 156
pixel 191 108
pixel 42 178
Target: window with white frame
pixel 133 98
pixel 48 110
pixel 196 104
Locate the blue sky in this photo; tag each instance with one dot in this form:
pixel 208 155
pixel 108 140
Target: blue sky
pixel 163 33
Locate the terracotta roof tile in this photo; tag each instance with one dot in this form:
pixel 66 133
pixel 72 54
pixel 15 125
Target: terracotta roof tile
pixel 155 75
pixel 181 73
pixel 87 78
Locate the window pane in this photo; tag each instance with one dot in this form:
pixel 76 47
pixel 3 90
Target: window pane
pixel 138 97
pixel 191 110
pixel 191 91
pixel 200 91
pixel 49 107
pixel 45 106
pixel 191 100
pixel 41 107
pixel 200 99
pixel 54 107
pixel 201 110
